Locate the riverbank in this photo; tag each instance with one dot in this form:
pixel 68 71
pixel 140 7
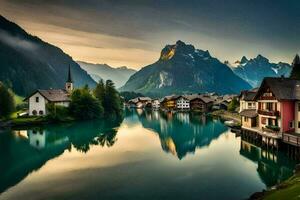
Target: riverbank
pixel 289 189
pixel 31 121
pixel 226 115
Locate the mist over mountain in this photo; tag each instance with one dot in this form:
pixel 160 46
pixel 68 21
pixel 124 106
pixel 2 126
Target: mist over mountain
pixel 182 69
pixel 28 63
pixel 254 70
pixel 119 75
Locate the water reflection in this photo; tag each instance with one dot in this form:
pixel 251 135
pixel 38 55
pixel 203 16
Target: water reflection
pixel 227 166
pixel 180 133
pixel 272 166
pixel 24 151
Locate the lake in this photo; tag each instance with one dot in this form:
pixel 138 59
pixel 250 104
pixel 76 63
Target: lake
pixel 146 155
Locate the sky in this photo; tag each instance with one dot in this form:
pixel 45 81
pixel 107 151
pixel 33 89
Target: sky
pixel 133 32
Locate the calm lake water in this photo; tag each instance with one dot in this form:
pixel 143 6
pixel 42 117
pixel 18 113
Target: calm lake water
pixel 148 155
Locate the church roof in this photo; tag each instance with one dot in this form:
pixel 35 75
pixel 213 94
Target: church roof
pixel 53 95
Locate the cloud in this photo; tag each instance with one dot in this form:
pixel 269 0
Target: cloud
pixel 16 42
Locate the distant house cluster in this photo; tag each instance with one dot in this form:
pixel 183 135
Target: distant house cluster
pixel 197 102
pixel 272 111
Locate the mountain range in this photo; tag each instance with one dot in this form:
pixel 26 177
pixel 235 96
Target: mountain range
pixel 119 75
pixel 183 69
pixel 254 70
pixel 28 63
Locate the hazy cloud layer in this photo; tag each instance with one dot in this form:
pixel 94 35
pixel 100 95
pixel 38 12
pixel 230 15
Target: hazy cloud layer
pixel 132 32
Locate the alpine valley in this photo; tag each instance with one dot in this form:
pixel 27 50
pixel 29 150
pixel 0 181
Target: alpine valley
pixel 119 75
pixel 28 63
pixel 183 69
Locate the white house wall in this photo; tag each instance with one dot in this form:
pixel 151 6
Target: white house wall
pixel 37 106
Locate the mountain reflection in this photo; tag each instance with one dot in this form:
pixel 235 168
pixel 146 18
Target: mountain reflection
pixel 25 151
pixel 180 133
pixel 273 166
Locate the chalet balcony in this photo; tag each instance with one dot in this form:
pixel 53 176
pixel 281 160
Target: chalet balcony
pixel 267 98
pixel 291 138
pixel 269 112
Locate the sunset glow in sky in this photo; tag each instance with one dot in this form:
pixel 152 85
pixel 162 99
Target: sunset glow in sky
pixel 133 32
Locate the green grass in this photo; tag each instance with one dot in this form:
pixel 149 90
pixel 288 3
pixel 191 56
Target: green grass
pixel 289 189
pixel 18 99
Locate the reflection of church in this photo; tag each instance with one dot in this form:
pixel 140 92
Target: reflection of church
pixel 181 133
pixel 273 167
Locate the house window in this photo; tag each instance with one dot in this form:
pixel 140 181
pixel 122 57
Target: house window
pixel 246 119
pixel 269 106
pixel 298 107
pixel 298 124
pixel 34 112
pixel 263 120
pixel 41 112
pixel 37 99
pixel 291 124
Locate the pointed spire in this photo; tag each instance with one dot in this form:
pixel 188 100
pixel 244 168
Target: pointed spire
pixel 69 75
pixel 296 60
pixel 295 74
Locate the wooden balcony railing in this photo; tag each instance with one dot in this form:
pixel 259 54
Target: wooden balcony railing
pixel 269 112
pixel 291 139
pixel 267 98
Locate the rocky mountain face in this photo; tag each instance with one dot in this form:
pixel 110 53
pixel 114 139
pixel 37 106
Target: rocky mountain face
pixel 27 63
pixel 183 69
pixel 254 70
pixel 119 75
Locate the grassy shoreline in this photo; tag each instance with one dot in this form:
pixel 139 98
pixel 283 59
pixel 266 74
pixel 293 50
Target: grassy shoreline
pixel 289 189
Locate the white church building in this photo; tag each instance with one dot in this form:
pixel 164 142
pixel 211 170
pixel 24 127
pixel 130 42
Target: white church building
pixel 38 100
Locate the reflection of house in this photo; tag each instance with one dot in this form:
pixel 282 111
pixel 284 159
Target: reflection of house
pixel 37 138
pixel 38 100
pixel 272 166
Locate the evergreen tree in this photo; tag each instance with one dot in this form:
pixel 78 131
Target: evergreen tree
pixel 112 102
pixel 7 102
pixel 295 74
pixel 99 91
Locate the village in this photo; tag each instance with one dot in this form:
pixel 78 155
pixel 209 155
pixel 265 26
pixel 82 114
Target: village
pixel 202 103
pixel 268 115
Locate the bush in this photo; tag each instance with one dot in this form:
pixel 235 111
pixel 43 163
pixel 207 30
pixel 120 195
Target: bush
pixel 272 127
pixel 84 106
pixel 233 105
pixel 7 101
pixel 57 113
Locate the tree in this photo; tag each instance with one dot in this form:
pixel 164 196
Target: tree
pixel 295 74
pixel 112 102
pixel 233 105
pixel 99 91
pixel 7 102
pixel 84 106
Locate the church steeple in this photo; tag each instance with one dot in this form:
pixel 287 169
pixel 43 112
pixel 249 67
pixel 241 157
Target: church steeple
pixel 295 74
pixel 69 83
pixel 69 76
